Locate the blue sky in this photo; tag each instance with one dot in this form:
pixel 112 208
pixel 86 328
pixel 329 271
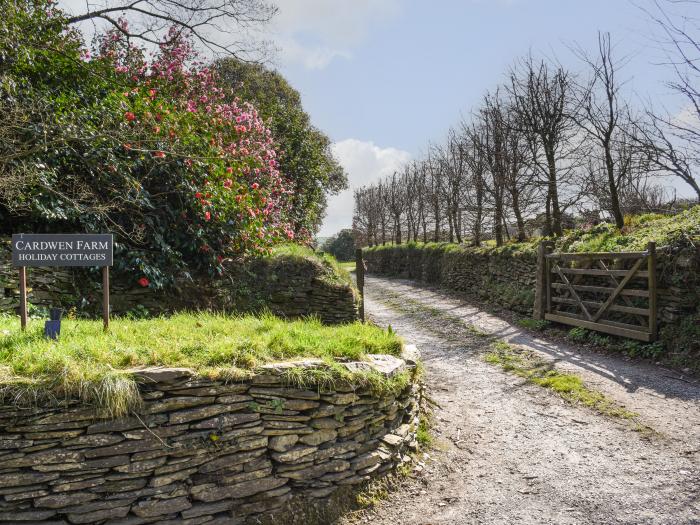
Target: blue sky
pixel 396 74
pixel 384 77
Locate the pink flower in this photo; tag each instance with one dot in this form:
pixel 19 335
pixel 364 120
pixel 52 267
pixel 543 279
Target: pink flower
pixel 255 186
pixel 207 216
pixel 228 183
pixel 143 282
pixel 229 170
pixel 129 116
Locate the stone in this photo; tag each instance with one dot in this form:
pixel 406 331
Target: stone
pixel 152 508
pixel 204 388
pixel 402 430
pixel 340 399
pixel 228 399
pixel 15 479
pixel 60 501
pixel 230 460
pixel 227 420
pixel 125 447
pixel 210 492
pixel 195 414
pixel 99 515
pixel 78 485
pixel 10 444
pixel 326 423
pixel 366 460
pixel 27 515
pixel 283 443
pixel 94 440
pixel 167 479
pixel 294 454
pixel 203 509
pixel 126 423
pixel 280 428
pixel 161 374
pixel 392 439
pixel 292 393
pixel 141 466
pixel 45 457
pixel 121 486
pixel 388 365
pixel 315 471
pixel 332 450
pixel 318 437
pixel 98 505
pixel 176 403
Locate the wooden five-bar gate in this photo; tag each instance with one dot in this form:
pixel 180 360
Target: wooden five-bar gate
pixel 611 292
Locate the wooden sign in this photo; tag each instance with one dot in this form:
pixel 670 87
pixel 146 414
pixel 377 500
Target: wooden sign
pixel 35 250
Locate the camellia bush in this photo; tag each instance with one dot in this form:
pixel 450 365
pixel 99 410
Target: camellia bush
pixel 148 146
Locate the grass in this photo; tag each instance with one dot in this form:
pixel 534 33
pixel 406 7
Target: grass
pixel 348 266
pixel 423 434
pixel 91 365
pixel 537 325
pixel 335 271
pixel 528 365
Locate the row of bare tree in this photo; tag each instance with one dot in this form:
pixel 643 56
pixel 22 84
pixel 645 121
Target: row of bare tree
pixel 543 147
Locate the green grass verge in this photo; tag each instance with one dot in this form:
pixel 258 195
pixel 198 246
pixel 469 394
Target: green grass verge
pixel 89 364
pixel 638 231
pixel 335 271
pixel 571 387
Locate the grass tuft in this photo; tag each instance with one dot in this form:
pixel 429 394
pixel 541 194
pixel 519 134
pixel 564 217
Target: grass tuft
pixel 528 365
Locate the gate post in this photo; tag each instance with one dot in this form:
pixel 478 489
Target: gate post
pixel 541 281
pixel 360 279
pixel 651 270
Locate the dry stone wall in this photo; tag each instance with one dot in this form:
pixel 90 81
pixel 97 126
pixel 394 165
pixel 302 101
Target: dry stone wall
pixel 507 277
pixel 289 287
pixel 203 451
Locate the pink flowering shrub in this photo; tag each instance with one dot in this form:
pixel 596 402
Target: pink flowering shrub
pixel 147 146
pixel 232 198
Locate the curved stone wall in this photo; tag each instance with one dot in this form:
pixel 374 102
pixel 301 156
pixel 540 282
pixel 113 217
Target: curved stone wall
pixel 202 451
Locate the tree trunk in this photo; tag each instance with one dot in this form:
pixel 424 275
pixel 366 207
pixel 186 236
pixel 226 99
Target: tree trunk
pixel 614 198
pixel 518 216
pixel 553 192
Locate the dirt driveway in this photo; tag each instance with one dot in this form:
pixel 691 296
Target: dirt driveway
pixel 511 452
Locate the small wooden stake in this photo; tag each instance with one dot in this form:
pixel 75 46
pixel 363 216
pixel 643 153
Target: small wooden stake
pixel 105 297
pixel 23 297
pixel 360 279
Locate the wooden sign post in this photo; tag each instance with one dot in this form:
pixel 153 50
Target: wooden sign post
pixel 39 250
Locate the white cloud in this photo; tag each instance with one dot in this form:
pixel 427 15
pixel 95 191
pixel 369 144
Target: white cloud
pixel 315 32
pixel 687 117
pixel 364 162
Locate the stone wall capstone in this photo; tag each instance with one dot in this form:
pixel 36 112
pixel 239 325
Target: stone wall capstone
pixel 202 451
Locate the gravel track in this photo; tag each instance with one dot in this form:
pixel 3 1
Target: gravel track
pixel 511 452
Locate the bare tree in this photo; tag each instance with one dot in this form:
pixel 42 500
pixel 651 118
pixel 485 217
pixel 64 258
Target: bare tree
pixel 543 103
pixel 221 26
pixel 676 138
pixel 603 112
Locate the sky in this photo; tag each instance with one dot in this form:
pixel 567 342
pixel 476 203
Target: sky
pixel 384 78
